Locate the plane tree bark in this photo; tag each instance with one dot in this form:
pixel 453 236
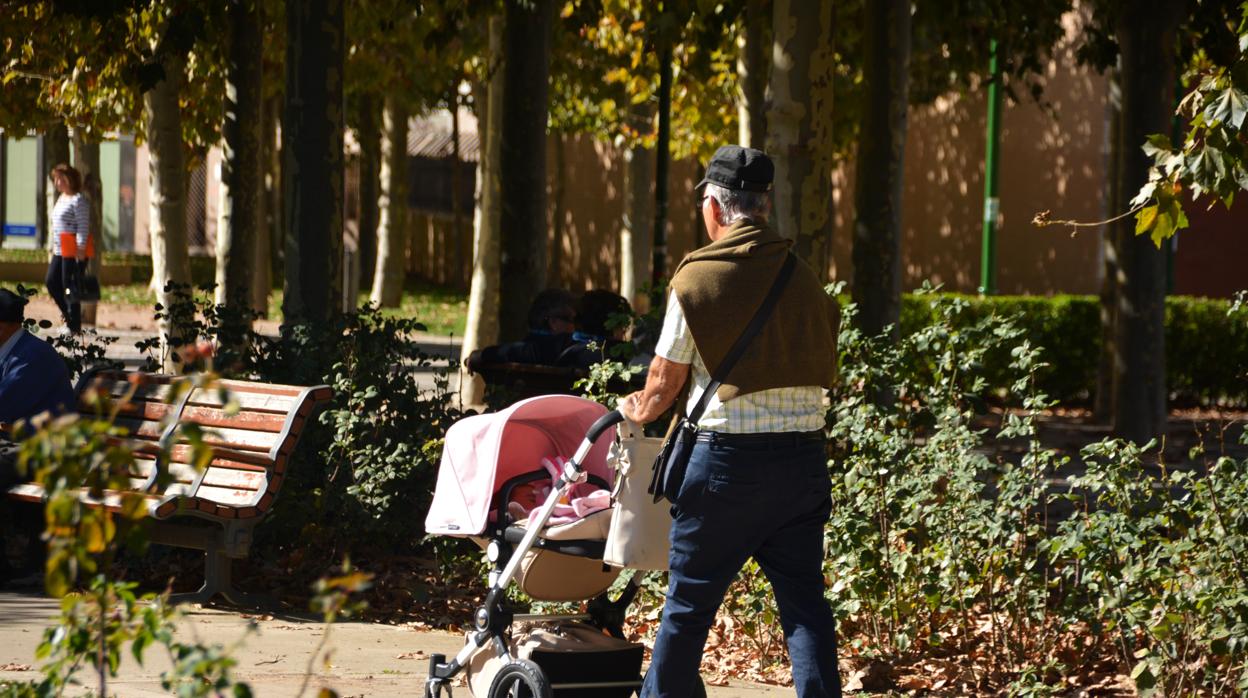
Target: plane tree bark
pixel 522 166
pixel 312 161
pixel 881 147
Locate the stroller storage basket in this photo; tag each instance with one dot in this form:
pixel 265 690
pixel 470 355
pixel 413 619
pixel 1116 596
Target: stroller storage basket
pixel 578 661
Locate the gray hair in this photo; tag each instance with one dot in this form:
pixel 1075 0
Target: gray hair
pixel 735 204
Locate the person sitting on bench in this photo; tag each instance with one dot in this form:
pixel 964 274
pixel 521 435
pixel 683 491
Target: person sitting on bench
pixel 33 380
pixel 593 341
pixel 551 318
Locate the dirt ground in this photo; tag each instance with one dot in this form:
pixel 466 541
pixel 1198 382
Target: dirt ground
pixel 368 659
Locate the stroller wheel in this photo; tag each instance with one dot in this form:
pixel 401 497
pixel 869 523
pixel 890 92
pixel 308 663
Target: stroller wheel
pixel 520 679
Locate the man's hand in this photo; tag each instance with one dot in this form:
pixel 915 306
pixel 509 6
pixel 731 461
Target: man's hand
pixel 663 384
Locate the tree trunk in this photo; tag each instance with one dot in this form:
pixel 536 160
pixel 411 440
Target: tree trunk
pixel 457 214
pixel 800 137
pixel 55 152
pixel 370 184
pixel 242 162
pixel 262 272
pixel 881 151
pixel 662 166
pixel 1103 397
pixel 1146 36
pixel 555 268
pixel 274 206
pixel 392 207
pixel 312 161
pixel 483 300
pixel 636 230
pixel 171 263
pixel 526 75
pixel 752 74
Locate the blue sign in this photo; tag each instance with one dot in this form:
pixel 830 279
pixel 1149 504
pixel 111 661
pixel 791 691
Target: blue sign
pixel 19 231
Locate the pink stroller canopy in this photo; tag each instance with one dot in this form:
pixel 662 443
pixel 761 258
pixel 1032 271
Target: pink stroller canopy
pixel 485 451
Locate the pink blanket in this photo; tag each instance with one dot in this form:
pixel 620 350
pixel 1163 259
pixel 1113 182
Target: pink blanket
pixel 582 500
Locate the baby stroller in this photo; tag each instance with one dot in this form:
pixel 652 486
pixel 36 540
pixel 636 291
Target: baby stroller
pixel 487 464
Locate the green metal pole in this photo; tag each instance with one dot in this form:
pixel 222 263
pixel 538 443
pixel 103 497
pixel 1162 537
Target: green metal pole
pixel 992 204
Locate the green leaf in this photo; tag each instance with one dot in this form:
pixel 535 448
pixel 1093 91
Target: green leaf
pixel 1145 680
pixel 1239 107
pixel 1157 143
pixel 1146 219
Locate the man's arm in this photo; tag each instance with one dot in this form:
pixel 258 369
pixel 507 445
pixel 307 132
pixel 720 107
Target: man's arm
pixel 663 384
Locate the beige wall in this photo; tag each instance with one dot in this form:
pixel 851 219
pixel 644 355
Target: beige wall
pixel 1052 157
pixel 594 200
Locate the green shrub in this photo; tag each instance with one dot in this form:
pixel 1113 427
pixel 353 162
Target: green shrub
pixel 938 547
pixel 1206 345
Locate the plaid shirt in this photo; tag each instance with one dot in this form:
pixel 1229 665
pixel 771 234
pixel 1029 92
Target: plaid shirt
pixel 798 408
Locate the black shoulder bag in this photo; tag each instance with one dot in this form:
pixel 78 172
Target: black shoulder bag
pixel 673 458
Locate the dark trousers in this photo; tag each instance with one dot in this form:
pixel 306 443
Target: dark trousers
pixel 767 498
pixel 64 282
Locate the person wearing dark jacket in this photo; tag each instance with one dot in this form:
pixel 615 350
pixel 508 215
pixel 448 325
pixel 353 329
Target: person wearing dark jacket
pixel 594 342
pixel 33 377
pixel 551 321
pixel 33 380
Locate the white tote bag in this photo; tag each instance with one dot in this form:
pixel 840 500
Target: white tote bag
pixel 639 537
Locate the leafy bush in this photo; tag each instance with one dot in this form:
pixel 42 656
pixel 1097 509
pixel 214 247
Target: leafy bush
pixel 929 536
pixel 1159 561
pixel 1206 349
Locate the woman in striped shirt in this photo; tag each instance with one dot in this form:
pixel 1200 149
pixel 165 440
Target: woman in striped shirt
pixel 72 214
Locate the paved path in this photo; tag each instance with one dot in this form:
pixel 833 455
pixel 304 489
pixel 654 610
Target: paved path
pixel 365 662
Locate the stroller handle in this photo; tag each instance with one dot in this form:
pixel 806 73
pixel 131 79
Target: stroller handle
pixel 604 423
pixel 573 470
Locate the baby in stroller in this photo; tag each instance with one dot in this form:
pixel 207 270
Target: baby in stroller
pixel 543 525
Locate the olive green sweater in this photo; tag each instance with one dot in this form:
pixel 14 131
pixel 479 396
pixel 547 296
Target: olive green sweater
pixel 721 286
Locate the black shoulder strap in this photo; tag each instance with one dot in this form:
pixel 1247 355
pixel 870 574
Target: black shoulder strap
pixel 756 324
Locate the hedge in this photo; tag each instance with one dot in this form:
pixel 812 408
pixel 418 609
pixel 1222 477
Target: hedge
pixel 1206 347
pixel 203 267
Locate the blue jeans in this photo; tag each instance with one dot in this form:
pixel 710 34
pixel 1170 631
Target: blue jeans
pixel 767 498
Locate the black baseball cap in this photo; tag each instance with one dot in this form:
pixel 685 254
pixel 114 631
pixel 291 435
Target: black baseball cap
pixel 12 306
pixel 740 168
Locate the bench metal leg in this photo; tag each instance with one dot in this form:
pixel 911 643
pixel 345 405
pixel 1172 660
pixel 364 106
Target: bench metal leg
pixel 218 580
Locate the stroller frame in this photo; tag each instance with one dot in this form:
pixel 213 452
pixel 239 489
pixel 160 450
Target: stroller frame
pixel 493 619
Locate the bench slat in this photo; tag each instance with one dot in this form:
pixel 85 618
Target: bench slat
pixel 227 495
pixel 160 393
pixel 237 439
pixel 206 416
pixel 242 480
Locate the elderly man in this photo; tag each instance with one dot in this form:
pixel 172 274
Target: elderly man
pixel 33 380
pixel 757 482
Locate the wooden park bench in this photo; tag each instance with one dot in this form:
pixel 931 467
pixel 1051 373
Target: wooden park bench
pixel 215 510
